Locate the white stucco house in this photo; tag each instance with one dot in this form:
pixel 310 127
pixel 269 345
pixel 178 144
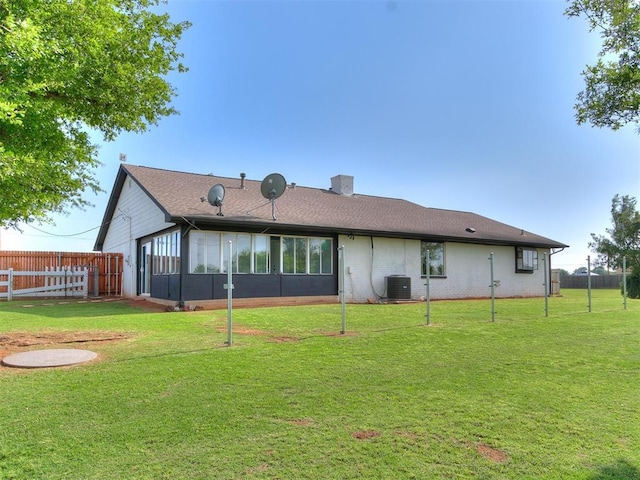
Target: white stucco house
pixel 175 244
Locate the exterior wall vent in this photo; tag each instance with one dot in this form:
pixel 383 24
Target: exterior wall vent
pixel 342 184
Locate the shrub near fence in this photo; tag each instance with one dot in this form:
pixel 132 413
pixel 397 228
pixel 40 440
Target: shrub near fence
pixel 597 281
pixel 105 269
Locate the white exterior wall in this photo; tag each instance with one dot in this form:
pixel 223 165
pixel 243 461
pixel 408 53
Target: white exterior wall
pixel 367 267
pixel 467 269
pixel 468 273
pixel 135 216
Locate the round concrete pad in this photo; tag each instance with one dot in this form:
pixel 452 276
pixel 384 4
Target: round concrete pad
pixel 48 358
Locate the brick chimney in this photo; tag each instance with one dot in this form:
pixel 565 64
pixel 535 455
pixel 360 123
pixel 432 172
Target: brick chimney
pixel 342 184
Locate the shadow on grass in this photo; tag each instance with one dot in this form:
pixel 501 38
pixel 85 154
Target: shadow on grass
pixel 71 307
pixel 621 470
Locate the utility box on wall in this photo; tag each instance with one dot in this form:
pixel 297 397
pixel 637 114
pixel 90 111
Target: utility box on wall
pixel 398 287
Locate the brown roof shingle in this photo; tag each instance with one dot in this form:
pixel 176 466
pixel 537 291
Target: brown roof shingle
pixel 305 209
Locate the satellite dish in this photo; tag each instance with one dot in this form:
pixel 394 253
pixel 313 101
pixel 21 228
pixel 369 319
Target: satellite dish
pixel 215 197
pixel 272 187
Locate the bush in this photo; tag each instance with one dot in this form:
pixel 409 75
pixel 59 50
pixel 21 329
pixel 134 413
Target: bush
pixel 633 284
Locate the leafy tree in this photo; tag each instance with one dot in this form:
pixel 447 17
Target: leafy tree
pixel 611 97
pixel 67 66
pixel 623 240
pixel 633 284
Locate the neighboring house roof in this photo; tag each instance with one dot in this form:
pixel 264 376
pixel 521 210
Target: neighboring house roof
pixel 301 209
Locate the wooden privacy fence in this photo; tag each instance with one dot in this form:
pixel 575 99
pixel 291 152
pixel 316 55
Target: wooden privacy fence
pixel 104 270
pixel 597 281
pixel 55 282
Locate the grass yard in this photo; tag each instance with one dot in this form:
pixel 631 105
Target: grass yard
pixel 524 397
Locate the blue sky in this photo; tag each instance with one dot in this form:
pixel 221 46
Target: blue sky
pixel 464 105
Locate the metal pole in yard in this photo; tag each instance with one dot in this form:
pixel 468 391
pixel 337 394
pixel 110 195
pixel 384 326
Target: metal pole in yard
pixel 426 284
pixel 229 287
pixel 624 281
pixel 589 281
pixel 493 290
pixel 546 285
pixel 341 287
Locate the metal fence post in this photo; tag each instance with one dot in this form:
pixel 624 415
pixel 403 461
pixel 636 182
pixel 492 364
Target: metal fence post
pixel 589 281
pixel 493 290
pixel 341 287
pixel 624 281
pixel 546 286
pixel 426 284
pixel 229 287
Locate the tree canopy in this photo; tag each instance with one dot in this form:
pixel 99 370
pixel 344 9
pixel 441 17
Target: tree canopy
pixel 623 237
pixel 67 66
pixel 611 97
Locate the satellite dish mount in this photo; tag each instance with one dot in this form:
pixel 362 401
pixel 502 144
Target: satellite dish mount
pixel 272 187
pixel 216 196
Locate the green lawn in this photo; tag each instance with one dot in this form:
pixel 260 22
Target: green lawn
pixel 524 397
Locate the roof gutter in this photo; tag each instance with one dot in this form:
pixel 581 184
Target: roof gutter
pixel 277 227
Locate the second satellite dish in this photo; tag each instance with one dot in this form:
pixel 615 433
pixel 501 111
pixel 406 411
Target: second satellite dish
pixel 272 187
pixel 216 196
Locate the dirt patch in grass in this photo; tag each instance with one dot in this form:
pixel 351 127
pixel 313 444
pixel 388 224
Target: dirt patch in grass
pixel 365 434
pixel 491 453
pixel 19 341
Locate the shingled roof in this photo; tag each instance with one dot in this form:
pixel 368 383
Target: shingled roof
pixel 303 209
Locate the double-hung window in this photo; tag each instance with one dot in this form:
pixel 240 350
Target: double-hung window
pixel 526 260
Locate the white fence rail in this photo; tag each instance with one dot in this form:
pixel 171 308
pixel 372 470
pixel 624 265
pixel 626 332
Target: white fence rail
pixel 55 282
